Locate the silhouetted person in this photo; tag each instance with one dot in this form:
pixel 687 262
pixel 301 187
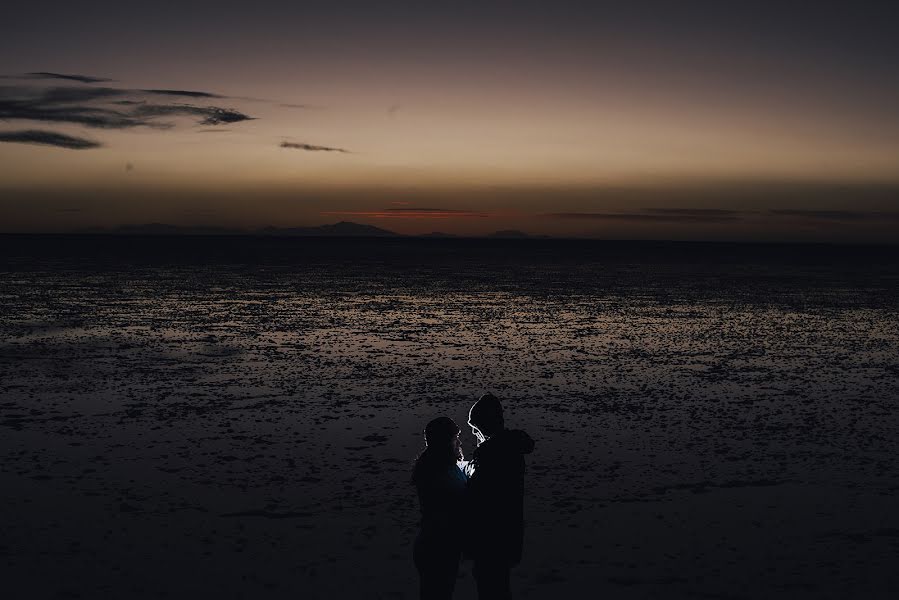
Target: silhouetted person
pixel 441 492
pixel 494 498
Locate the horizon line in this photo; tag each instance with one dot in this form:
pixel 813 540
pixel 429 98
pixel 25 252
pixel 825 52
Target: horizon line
pixel 112 234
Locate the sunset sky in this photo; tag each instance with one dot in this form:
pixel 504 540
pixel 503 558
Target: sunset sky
pixel 763 121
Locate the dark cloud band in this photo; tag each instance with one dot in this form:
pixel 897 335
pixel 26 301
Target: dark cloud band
pixel 313 147
pixel 67 77
pixel 714 215
pixel 104 107
pixel 48 138
pixel 665 216
pixel 410 213
pixel 206 115
pixel 695 212
pixel 837 215
pixel 183 93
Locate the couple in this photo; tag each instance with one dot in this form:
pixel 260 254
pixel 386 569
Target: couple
pixel 472 508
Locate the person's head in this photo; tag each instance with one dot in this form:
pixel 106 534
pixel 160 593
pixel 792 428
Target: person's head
pixel 442 449
pixel 442 434
pixel 486 417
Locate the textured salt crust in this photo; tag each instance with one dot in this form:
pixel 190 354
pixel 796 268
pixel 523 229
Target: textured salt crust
pixel 246 429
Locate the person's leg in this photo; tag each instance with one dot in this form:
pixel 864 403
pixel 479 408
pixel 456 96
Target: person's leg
pixel 477 571
pixel 433 587
pixel 492 579
pixel 437 572
pixel 444 585
pixel 421 565
pixel 442 579
pixel 503 588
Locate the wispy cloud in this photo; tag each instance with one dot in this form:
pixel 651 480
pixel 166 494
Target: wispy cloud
pixel 313 147
pixel 80 94
pixel 720 213
pixel 409 213
pixel 716 215
pixel 837 215
pixel 48 138
pixel 658 215
pixel 184 93
pixel 207 115
pixel 68 77
pixel 88 116
pixel 106 108
pixel 61 94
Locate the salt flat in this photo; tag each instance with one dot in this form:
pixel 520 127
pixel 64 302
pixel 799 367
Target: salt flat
pixel 238 416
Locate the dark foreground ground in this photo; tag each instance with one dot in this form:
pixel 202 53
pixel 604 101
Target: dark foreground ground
pixel 235 417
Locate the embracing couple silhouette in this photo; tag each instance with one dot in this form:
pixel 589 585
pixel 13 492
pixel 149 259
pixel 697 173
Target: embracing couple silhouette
pixel 472 509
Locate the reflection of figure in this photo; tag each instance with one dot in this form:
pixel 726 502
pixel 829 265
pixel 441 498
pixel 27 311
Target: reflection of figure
pixel 495 497
pixel 441 490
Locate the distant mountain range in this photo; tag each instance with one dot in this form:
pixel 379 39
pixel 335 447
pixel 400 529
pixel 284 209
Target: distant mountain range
pixel 161 229
pixel 509 234
pixel 341 229
pixel 438 234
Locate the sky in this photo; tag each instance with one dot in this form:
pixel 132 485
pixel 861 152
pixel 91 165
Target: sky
pixel 661 120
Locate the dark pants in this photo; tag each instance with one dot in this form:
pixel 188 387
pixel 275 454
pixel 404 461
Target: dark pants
pixel 492 578
pixel 438 568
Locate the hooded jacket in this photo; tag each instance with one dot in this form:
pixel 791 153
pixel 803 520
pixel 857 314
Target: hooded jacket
pixel 495 497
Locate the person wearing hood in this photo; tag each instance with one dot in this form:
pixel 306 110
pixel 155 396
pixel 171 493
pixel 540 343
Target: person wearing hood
pixel 441 489
pixel 495 498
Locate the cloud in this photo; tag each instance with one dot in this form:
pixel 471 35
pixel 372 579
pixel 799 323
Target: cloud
pixel 80 78
pixel 836 215
pixel 185 93
pixel 68 94
pixel 697 212
pixel 48 138
pixel 406 209
pixel 716 215
pixel 207 115
pixel 103 108
pixel 409 213
pixel 313 147
pixel 658 215
pixel 89 116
